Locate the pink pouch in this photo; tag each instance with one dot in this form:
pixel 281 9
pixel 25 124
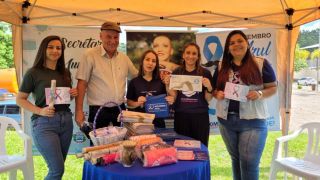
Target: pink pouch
pixel 158 155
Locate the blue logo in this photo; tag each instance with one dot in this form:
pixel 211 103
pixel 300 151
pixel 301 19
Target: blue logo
pixel 78 137
pixel 208 54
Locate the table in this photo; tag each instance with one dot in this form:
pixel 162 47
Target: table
pixel 183 170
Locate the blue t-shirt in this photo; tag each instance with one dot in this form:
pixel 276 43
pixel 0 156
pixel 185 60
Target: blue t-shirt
pixel 141 87
pixel 192 102
pixel 268 76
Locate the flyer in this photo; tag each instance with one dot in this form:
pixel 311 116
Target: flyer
pixel 61 95
pixel 236 92
pixel 186 83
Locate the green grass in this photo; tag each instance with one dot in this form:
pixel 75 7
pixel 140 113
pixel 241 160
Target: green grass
pixel 219 158
pixel 220 161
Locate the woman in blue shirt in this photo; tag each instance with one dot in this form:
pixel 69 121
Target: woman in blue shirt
pixel 191 116
pixel 148 83
pixel 242 124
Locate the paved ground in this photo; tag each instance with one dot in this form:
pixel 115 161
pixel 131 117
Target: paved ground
pixel 305 106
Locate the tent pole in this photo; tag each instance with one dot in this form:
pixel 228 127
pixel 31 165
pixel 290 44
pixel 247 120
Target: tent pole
pixel 318 58
pixel 288 80
pixel 28 15
pixel 306 15
pixel 289 27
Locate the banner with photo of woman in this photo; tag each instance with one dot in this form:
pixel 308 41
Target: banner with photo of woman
pixel 167 45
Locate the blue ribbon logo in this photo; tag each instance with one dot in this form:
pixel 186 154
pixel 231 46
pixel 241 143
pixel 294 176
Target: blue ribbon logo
pixel 212 56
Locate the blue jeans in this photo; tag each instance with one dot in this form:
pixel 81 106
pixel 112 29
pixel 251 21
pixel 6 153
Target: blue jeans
pixel 52 137
pixel 245 141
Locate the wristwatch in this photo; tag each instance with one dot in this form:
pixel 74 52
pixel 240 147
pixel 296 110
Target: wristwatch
pixel 260 93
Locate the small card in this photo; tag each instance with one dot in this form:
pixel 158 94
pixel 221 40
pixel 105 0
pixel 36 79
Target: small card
pixel 187 143
pixel 61 95
pixel 186 83
pixel 201 155
pixel 187 155
pixel 236 92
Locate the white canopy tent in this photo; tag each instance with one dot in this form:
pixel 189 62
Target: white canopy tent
pixel 281 14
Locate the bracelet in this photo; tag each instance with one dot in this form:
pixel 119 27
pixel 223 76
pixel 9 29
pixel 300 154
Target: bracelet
pixel 260 94
pixel 209 91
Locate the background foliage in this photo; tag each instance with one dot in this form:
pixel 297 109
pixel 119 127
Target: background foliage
pixel 300 58
pixel 6 51
pixel 307 38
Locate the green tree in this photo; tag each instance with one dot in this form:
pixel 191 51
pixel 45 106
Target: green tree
pixel 300 58
pixel 6 49
pixel 307 38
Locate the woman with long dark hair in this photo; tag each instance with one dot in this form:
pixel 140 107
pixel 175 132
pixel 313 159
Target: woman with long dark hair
pixel 148 83
pixel 51 126
pixel 243 124
pixel 191 116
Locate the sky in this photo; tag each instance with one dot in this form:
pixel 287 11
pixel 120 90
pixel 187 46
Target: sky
pixel 310 26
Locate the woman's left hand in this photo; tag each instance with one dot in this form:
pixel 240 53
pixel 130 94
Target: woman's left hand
pixel 73 92
pixel 170 99
pixel 253 95
pixel 206 83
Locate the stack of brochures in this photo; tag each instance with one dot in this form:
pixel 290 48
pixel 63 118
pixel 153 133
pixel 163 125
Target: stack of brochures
pixel 131 116
pixel 139 128
pixel 190 150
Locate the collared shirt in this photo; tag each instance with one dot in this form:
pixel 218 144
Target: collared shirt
pixel 106 76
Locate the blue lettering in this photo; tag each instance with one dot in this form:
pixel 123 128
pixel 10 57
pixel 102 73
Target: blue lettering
pixel 214 124
pixel 260 51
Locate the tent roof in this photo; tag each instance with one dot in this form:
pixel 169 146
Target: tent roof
pixel 186 13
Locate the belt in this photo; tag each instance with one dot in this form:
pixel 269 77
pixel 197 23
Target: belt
pixel 236 113
pixel 108 108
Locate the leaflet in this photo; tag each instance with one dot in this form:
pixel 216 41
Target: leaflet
pixel 61 95
pixel 187 155
pixel 236 92
pixel 186 83
pixel 179 143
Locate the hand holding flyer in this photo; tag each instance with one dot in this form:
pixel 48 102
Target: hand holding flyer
pixel 186 83
pixel 236 92
pixel 60 95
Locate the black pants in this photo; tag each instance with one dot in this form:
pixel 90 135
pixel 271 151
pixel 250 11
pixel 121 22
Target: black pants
pixel 194 125
pixel 105 116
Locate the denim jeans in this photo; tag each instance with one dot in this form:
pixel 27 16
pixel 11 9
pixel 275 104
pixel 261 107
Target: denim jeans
pixel 245 141
pixel 52 137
